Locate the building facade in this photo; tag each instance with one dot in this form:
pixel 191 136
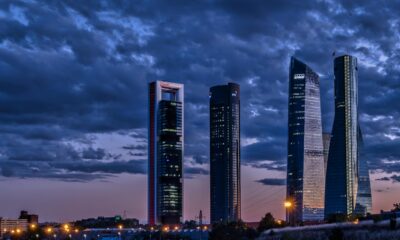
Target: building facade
pixel 305 169
pixel 10 226
pixel 32 218
pixel 342 169
pixel 165 153
pixel 364 196
pixel 326 140
pixel 225 153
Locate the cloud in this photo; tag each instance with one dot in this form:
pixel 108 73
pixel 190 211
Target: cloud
pixel 195 170
pixel 91 153
pixel 70 70
pixel 393 178
pixel 71 171
pixel 273 181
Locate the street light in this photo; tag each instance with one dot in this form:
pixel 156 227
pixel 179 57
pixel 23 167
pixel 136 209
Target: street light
pixel 288 205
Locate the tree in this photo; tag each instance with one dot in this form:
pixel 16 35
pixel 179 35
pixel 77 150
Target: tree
pixel 337 217
pixel 396 207
pixel 232 231
pixel 267 222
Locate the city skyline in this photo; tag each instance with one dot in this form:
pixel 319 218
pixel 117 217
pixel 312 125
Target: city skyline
pixel 74 83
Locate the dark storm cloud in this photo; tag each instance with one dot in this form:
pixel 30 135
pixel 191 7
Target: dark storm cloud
pixel 135 147
pixel 200 159
pixel 68 69
pixel 71 171
pixel 273 181
pixel 393 178
pixel 91 153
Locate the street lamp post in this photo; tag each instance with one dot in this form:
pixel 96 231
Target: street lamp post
pixel 288 206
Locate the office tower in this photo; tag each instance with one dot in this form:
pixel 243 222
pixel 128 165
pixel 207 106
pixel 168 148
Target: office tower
pixel 326 139
pixel 364 197
pixel 225 152
pixel 165 152
pixel 305 170
pixel 342 170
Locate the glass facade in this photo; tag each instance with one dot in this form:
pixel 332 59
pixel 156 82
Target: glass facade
pixel 225 153
pixel 364 197
pixel 305 170
pixel 326 139
pixel 165 153
pixel 342 169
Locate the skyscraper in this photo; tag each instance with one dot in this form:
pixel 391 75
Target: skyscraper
pixel 305 170
pixel 165 152
pixel 364 197
pixel 326 139
pixel 225 152
pixel 342 170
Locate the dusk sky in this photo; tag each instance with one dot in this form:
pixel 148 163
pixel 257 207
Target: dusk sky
pixel 73 96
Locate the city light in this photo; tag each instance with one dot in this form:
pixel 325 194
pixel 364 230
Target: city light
pixel 287 204
pixel 33 226
pixel 49 230
pixel 120 226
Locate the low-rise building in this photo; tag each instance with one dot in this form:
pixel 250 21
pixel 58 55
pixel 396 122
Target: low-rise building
pixel 13 226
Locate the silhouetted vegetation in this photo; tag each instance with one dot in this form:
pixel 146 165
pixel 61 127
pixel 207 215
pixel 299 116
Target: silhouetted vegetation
pixel 268 222
pixel 232 231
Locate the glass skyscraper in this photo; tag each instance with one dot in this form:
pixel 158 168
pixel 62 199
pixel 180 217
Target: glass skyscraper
pixel 305 169
pixel 225 152
pixel 165 152
pixel 326 140
pixel 364 197
pixel 342 169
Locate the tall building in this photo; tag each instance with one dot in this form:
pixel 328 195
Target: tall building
pixel 326 139
pixel 305 169
pixel 342 170
pixel 225 152
pixel 364 197
pixel 165 152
